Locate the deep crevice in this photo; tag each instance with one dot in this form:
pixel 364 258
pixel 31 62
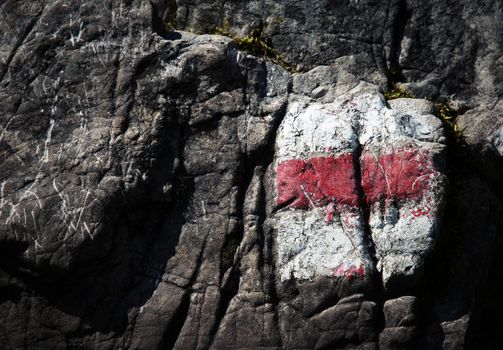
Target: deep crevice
pixel 228 291
pixel 365 211
pixel 376 281
pixel 230 286
pixel 175 326
pixel 266 241
pixel 163 19
pixel 401 17
pixel 158 25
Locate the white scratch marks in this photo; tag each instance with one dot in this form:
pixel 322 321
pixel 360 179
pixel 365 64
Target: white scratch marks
pixel 2 196
pixel 72 213
pixel 37 245
pixel 78 37
pixel 36 197
pixel 6 127
pixel 45 158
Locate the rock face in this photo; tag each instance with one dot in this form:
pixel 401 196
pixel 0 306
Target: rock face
pixel 160 188
pixel 400 324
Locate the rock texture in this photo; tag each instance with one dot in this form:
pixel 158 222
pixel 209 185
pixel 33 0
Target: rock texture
pixel 160 188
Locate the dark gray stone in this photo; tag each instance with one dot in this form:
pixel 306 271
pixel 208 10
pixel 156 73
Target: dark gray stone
pixel 136 181
pixel 400 330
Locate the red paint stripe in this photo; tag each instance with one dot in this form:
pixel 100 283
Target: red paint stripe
pixel 348 271
pixel 404 174
pixel 317 181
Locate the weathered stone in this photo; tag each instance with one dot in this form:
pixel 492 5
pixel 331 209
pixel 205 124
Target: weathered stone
pixel 349 321
pixel 454 333
pixel 139 201
pixel 400 330
pixel 101 171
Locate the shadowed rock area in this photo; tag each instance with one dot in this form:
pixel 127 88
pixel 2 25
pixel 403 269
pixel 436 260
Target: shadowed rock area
pixel 164 187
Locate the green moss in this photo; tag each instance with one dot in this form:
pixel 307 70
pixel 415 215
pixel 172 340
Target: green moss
pixel 448 116
pixel 277 20
pixel 398 92
pixel 256 44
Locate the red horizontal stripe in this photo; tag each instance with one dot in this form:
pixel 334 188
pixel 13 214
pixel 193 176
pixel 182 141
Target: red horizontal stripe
pixel 317 181
pixel 404 174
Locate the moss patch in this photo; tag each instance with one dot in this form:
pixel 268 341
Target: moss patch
pixel 257 44
pixel 448 116
pixel 398 92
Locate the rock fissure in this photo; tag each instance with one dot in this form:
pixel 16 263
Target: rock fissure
pixel 179 317
pixel 365 210
pixel 400 18
pixel 231 254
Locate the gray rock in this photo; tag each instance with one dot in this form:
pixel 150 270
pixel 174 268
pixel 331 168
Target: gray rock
pixel 440 49
pixel 482 130
pixel 400 312
pixel 400 330
pixel 454 333
pixel 124 126
pixel 138 175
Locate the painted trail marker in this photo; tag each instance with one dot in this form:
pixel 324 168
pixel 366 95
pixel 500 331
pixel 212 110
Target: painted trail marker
pixel 317 181
pixel 332 157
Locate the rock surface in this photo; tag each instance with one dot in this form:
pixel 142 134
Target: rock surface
pixel 161 189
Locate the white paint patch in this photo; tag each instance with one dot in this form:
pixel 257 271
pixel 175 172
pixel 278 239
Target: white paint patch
pixel 382 126
pixel 405 232
pixel 315 129
pixel 309 247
